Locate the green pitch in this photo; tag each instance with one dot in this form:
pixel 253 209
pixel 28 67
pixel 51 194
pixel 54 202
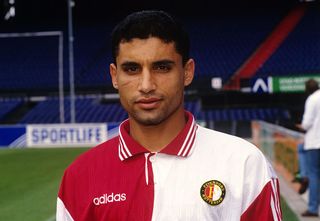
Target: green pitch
pixel 287 214
pixel 30 178
pixel 29 182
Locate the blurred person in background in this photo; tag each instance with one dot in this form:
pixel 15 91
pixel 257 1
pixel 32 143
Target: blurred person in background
pixel 311 125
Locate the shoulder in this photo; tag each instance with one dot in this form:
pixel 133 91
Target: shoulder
pixel 225 141
pixel 317 93
pixel 314 96
pixel 231 148
pixel 312 101
pixel 105 151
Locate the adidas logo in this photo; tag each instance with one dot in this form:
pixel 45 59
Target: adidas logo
pixel 109 198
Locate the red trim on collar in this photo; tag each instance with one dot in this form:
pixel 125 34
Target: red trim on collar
pixel 181 145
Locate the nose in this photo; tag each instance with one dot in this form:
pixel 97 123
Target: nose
pixel 147 82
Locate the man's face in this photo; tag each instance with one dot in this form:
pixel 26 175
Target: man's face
pixel 150 78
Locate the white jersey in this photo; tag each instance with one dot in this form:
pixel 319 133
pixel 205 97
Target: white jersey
pixel 311 121
pixel 202 175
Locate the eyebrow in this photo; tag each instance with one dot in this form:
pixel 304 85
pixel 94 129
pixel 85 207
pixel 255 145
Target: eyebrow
pixel 156 63
pixel 129 64
pixel 163 62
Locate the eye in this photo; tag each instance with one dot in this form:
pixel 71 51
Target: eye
pixel 163 68
pixel 132 69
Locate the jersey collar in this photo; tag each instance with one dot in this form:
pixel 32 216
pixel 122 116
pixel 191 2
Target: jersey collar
pixel 181 145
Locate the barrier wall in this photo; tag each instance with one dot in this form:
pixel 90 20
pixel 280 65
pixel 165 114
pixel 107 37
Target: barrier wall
pixel 56 135
pixel 279 144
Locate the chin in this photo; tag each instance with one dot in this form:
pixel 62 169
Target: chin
pixel 148 119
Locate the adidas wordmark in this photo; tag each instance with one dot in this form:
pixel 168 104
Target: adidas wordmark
pixel 109 198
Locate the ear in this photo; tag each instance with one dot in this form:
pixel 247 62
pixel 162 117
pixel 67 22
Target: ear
pixel 113 74
pixel 189 72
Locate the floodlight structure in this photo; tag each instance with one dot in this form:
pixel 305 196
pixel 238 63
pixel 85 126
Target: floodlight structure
pixel 11 10
pixel 71 62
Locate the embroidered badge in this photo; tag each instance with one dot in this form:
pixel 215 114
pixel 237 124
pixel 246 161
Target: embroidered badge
pixel 213 192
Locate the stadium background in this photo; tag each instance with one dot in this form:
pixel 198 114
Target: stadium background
pixel 252 58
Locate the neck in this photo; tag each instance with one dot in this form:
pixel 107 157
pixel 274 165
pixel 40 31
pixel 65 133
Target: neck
pixel 155 137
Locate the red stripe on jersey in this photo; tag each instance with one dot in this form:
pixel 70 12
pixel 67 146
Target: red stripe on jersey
pixel 182 143
pixel 192 144
pixel 258 209
pixel 186 140
pixel 276 197
pixel 128 144
pixel 124 152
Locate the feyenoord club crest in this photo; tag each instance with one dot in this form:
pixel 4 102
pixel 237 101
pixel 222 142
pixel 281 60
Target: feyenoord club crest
pixel 213 192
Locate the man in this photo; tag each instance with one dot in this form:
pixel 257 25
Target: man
pixel 163 166
pixel 310 87
pixel 311 124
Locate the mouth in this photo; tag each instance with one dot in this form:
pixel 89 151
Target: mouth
pixel 148 103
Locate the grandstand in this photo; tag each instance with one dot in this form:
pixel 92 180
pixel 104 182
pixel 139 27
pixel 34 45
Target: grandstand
pixel 9 105
pixel 220 47
pixel 89 110
pixel 38 60
pixel 250 46
pixel 299 53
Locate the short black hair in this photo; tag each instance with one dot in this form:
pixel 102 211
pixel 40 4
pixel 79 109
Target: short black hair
pixel 151 23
